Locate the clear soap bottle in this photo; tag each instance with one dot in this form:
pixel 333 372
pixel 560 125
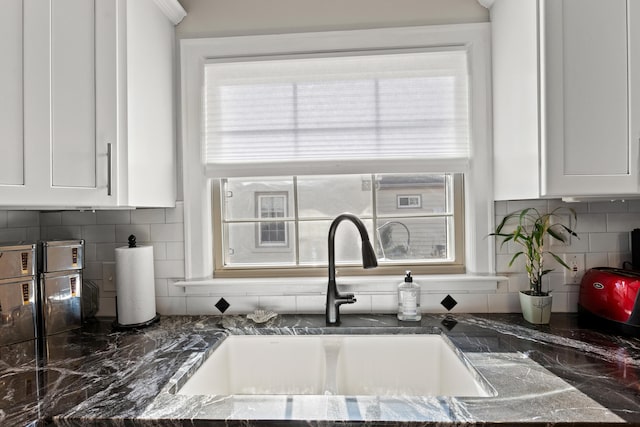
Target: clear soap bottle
pixel 409 299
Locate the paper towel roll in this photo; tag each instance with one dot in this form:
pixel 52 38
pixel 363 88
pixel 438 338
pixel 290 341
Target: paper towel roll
pixel 135 285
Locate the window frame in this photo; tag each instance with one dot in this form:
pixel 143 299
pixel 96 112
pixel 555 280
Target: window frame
pixel 197 194
pixel 434 267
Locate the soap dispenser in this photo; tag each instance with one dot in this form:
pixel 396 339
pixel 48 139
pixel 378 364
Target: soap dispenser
pixel 409 299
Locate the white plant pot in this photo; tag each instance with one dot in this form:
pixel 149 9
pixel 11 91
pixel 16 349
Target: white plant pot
pixel 535 309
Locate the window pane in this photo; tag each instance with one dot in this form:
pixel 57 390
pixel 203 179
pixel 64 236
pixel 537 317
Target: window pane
pixel 330 195
pixel 240 195
pixel 314 240
pixel 401 239
pixel 284 221
pixel 243 246
pixel 413 194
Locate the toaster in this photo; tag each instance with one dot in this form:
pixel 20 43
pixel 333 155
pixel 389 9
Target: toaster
pixel 609 298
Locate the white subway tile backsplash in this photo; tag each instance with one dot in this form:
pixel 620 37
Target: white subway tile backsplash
pixel 23 219
pixel 207 305
pixel 141 231
pixel 634 205
pixel 92 271
pixel 362 305
pixel 516 205
pixel 608 242
pixel 167 269
pixel 107 307
pixel 105 252
pixel 572 301
pixel 576 207
pixel 623 222
pixel 167 232
pixel 48 219
pixel 147 216
pixel 90 252
pixel 310 304
pixel 99 233
pixel 596 259
pixel 202 305
pixel 161 287
pixel 33 234
pixel 383 303
pixel 113 217
pixel 431 303
pixel 278 304
pixel 555 281
pixel 504 303
pixel 62 232
pixel 13 234
pixel 172 306
pixel 518 282
pixel 503 260
pixel 173 290
pixel 617 259
pixel 560 302
pixel 470 303
pixel 603 230
pixel 159 250
pixel 175 250
pixel 79 218
pixel 500 208
pixel 173 215
pixel 591 223
pixel 607 207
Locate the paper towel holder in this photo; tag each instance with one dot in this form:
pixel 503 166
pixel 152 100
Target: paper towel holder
pixel 119 326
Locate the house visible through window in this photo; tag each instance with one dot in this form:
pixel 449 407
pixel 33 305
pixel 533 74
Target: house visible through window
pixel 272 233
pixel 413 201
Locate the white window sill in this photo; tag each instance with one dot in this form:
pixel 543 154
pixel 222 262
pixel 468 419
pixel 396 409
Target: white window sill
pixel 363 285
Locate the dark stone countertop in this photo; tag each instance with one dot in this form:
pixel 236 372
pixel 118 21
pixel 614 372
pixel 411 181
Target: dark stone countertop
pixel 95 376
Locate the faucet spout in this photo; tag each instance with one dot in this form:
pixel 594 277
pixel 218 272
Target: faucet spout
pixel 369 260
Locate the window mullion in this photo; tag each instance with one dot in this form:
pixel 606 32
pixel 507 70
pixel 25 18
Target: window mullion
pixel 296 228
pixel 374 214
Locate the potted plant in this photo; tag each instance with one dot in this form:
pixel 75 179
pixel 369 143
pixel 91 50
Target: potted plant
pixel 531 231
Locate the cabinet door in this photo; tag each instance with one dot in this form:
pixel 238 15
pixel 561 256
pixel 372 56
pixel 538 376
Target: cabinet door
pixel 82 135
pixel 586 118
pixel 11 99
pixel 633 9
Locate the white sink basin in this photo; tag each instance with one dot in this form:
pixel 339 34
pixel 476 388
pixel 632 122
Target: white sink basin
pixel 353 365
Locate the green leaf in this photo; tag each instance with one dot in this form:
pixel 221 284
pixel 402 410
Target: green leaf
pixel 560 260
pixel 514 258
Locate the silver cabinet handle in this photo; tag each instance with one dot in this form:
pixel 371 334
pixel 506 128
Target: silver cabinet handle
pixel 109 162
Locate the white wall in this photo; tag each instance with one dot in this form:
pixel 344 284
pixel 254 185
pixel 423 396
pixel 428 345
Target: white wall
pixel 214 18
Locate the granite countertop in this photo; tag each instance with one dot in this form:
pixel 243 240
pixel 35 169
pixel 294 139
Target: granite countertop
pixel 545 375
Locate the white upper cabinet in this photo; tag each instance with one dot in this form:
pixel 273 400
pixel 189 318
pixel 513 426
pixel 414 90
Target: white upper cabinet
pixel 566 98
pixel 12 160
pixel 89 120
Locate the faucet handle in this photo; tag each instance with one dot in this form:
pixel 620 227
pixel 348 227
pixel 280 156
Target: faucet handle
pixel 349 298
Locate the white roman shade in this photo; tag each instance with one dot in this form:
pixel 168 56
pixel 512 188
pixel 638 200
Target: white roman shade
pixel 358 113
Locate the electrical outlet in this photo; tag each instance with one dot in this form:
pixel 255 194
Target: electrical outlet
pixel 576 270
pixel 109 276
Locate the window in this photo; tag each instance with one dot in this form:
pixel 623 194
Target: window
pixel 427 237
pixel 411 201
pixel 271 206
pixel 339 111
